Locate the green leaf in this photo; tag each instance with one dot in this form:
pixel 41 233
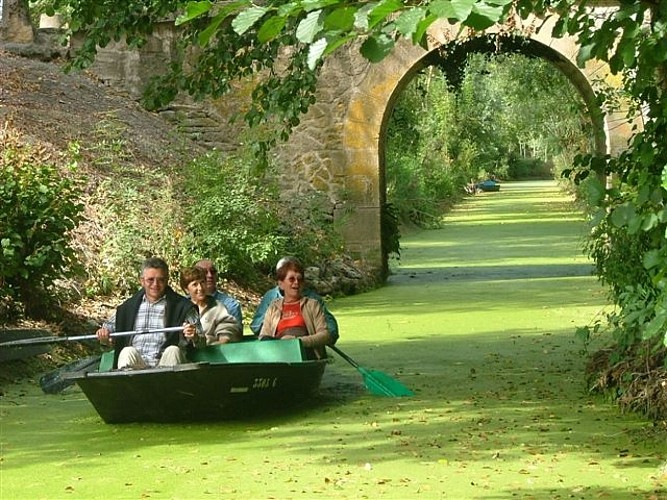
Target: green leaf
pixel 309 27
pixel 623 215
pixel 229 9
pixel 651 259
pixel 595 190
pixel 664 177
pixel 477 22
pixel 337 42
pixel 309 5
pixel 382 10
pixel 377 47
pixel 646 154
pixel 649 222
pixel 484 16
pixel 193 10
pixel 443 9
pixel 289 9
pixel 409 20
pixel 655 326
pixel 560 28
pixel 361 17
pixel 626 51
pixel 246 19
pixel 340 19
pixel 584 54
pixel 204 37
pixel 583 333
pixel 315 51
pixel 462 9
pixel 422 26
pixel 271 28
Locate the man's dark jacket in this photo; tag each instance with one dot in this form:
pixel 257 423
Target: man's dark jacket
pixel 176 310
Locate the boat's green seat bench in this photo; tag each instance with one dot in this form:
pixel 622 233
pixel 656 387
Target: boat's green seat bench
pixel 275 351
pixel 253 351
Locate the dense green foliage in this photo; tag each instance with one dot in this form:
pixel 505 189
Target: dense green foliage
pixel 628 241
pixel 420 171
pixel 510 118
pixel 525 119
pixel 246 224
pixel 39 207
pixel 216 207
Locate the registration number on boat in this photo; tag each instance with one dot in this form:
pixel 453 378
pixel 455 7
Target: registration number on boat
pixel 265 382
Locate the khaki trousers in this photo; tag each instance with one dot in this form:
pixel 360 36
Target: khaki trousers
pixel 129 358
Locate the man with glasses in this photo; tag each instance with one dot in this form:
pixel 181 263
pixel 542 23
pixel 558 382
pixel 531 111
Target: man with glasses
pixel 156 306
pixel 232 305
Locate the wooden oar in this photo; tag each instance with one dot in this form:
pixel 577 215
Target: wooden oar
pixel 53 339
pixel 377 382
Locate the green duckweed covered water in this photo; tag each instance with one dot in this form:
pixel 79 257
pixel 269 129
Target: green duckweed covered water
pixel 478 319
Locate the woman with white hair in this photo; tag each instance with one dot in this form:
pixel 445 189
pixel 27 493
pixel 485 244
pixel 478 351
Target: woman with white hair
pixel 276 293
pixel 294 315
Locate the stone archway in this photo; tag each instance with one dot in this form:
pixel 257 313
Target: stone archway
pixel 357 157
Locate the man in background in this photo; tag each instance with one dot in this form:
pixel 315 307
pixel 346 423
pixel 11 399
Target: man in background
pixel 232 305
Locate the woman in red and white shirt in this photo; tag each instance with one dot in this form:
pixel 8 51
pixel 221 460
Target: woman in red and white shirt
pixel 294 315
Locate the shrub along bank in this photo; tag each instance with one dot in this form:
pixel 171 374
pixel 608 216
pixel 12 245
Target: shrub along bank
pixel 91 186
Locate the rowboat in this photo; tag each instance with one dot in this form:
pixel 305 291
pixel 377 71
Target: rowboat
pixel 219 382
pixel 488 185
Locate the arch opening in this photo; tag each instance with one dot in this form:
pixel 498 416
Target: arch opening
pixel 451 59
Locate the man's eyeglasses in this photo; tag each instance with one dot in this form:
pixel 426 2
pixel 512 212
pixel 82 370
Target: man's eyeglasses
pixel 161 281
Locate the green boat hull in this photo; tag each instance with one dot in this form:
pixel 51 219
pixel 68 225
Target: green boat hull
pixel 247 379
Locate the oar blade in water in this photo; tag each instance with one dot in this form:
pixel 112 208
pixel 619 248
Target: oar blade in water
pixel 381 384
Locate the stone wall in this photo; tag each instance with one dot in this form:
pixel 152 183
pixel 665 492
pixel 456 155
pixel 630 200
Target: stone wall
pixel 15 25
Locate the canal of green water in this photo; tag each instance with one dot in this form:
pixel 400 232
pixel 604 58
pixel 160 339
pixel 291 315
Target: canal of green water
pixel 478 318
